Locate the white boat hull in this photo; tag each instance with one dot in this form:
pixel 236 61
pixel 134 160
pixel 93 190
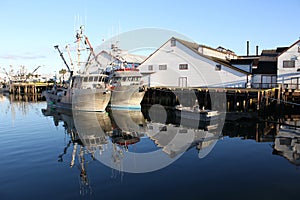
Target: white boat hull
pixel 126 97
pixel 197 116
pixel 80 99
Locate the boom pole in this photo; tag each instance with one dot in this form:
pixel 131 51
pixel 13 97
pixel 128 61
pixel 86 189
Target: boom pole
pixel 62 57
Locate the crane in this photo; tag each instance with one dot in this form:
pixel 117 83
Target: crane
pixel 31 74
pixel 92 52
pixel 35 69
pixel 62 57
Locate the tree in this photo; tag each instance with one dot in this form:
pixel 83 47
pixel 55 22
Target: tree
pixel 63 72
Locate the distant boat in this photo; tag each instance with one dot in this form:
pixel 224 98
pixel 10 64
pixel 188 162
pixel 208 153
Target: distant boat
pixel 84 92
pixel 4 89
pixel 195 113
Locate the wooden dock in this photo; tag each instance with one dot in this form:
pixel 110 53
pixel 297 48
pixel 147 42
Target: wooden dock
pixel 237 99
pixel 28 87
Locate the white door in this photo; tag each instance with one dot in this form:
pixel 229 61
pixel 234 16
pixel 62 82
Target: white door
pixel 182 81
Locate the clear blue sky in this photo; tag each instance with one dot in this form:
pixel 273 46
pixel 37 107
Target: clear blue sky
pixel 29 29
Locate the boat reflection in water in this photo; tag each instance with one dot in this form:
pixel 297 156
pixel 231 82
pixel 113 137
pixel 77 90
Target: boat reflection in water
pixel 139 142
pixel 125 141
pixel 87 131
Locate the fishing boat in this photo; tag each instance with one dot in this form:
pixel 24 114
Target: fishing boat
pixel 123 77
pixel 84 92
pixel 196 113
pixel 127 91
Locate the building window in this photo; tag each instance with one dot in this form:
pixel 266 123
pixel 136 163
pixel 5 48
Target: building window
pixel 288 64
pixel 173 42
pixel 150 67
pixel 162 67
pixel 183 66
pixel 298 49
pixel 218 68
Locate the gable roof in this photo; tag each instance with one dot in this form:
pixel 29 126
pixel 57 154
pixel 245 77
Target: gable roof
pixel 194 47
pixel 287 48
pixel 268 56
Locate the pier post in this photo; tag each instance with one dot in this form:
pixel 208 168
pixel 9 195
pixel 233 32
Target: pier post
pixel 234 102
pixel 258 100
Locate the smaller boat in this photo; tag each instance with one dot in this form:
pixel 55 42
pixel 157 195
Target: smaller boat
pixel 127 90
pixel 124 138
pixel 123 76
pixel 196 113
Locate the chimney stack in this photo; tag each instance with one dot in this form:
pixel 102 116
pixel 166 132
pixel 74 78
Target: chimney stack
pixel 256 50
pixel 247 48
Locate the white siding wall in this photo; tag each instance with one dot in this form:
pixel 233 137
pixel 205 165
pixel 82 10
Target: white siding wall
pixel 201 71
pixel 285 74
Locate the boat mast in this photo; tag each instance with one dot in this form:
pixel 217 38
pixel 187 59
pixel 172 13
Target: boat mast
pixel 79 37
pixel 69 54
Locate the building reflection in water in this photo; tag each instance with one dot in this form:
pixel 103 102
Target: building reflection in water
pixel 284 136
pixel 287 143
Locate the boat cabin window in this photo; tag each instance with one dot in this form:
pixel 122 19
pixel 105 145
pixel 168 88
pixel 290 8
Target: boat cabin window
pixel 100 79
pixel 95 78
pixel 85 79
pixel 91 79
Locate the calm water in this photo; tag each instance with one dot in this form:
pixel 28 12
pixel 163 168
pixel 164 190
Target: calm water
pixel 56 154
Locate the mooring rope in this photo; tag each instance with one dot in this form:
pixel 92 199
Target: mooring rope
pixel 287 102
